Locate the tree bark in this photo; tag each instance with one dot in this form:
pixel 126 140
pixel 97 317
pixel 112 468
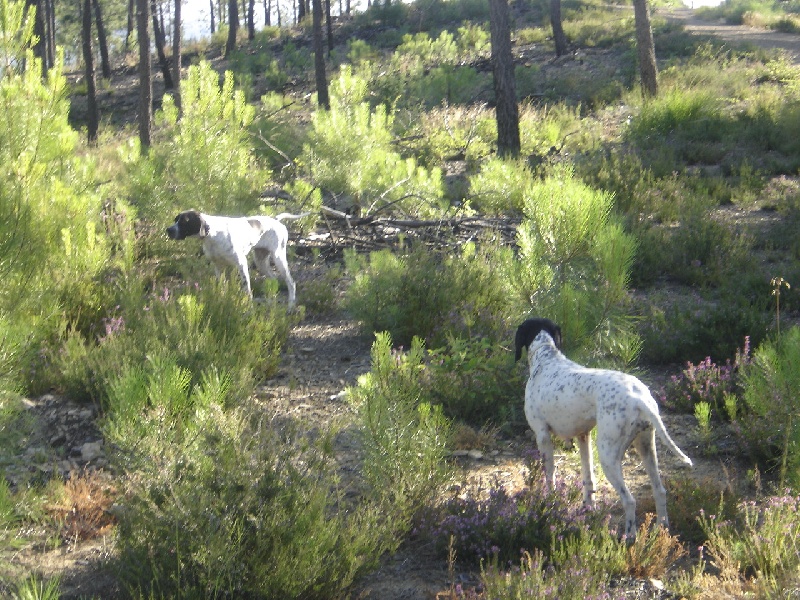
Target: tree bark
pixel 233 26
pixel 145 83
pixel 88 60
pixel 301 10
pixel 505 87
pixel 213 28
pixel 323 99
pixel 558 30
pixel 329 24
pixel 251 20
pixel 158 36
pixel 129 32
pixel 40 48
pixel 267 8
pixel 645 49
pixel 105 64
pixel 176 55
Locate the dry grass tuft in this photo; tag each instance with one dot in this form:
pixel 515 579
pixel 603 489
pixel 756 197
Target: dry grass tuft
pixel 83 508
pixel 653 552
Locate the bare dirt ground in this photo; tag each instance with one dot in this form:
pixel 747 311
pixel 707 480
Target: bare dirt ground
pixel 324 355
pixel 738 34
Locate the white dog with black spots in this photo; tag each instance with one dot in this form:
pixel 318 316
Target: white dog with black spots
pixel 568 400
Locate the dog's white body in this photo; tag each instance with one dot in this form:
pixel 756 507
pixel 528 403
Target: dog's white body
pixel 227 241
pixel 569 400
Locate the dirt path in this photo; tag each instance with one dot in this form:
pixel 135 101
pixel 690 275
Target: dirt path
pixel 739 34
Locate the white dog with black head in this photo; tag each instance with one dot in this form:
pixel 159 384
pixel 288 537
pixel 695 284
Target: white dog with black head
pixel 227 241
pixel 569 400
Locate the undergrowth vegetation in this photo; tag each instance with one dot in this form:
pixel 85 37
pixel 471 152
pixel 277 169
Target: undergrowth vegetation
pixel 628 222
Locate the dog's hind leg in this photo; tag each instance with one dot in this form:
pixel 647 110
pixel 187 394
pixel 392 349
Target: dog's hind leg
pixel 587 468
pixel 611 460
pixel 645 444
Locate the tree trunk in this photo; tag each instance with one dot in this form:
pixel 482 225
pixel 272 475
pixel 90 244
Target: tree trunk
pixel 40 48
pixel 176 54
pixel 267 9
pixel 158 36
pixel 213 28
pixel 645 49
pixel 251 20
pixel 145 83
pixel 558 30
pixel 105 64
pixel 505 88
pixel 131 11
pixel 51 32
pixel 329 23
pixel 233 26
pixel 88 60
pixel 301 10
pixel 319 56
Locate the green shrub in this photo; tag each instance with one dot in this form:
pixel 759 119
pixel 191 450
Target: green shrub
pixel 574 264
pixel 475 381
pixel 349 152
pixel 427 293
pixel 405 437
pixel 205 159
pixel 692 330
pixel 770 427
pixel 211 326
pixel 761 539
pixel 221 503
pixel 700 252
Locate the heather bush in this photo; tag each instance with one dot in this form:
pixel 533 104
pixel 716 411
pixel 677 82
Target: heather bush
pixel 761 540
pixel 770 427
pixel 535 577
pixel 716 385
pixel 495 523
pixel 210 326
pixel 428 293
pixel 222 502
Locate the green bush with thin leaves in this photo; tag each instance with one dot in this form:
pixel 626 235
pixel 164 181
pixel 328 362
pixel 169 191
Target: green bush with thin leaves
pixel 203 156
pixel 574 264
pixel 213 325
pixel 405 436
pixel 349 152
pixel 221 501
pixel 771 425
pixel 429 294
pixel 58 242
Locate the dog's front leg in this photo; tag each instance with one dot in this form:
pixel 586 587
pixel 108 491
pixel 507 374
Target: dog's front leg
pixel 587 468
pixel 545 445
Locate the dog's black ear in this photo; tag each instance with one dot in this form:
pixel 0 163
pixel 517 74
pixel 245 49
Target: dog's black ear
pixel 557 336
pixel 519 342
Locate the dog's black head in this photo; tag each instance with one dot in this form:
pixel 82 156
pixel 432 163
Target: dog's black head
pixel 528 331
pixel 186 224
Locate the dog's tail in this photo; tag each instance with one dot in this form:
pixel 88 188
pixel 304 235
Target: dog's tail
pixel 658 425
pixel 290 216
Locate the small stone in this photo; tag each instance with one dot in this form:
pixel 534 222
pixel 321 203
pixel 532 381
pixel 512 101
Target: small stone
pixel 91 451
pixel 475 454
